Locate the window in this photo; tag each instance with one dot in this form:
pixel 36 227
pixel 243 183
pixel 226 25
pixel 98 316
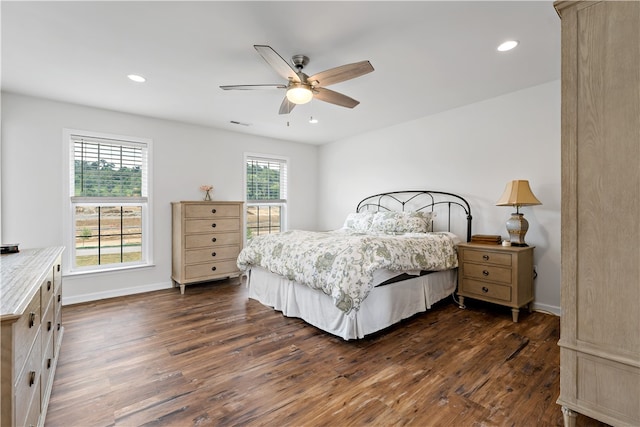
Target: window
pixel 266 194
pixel 109 225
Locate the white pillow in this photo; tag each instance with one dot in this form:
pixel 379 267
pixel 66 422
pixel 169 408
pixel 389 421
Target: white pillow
pixel 358 221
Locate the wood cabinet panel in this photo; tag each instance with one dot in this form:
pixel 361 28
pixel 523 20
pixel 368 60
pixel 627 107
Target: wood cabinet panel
pixel 599 339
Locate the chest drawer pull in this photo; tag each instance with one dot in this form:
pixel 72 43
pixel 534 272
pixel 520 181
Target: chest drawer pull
pixel 59 296
pixel 58 326
pixel 485 273
pixel 213 210
pixel 213 225
pixel 213 254
pixel 49 363
pixel 485 257
pixel 485 289
pixel 48 285
pixel 214 239
pixel 32 319
pixel 32 378
pixel 49 325
pixel 213 268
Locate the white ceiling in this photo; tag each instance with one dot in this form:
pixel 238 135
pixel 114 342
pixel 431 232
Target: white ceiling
pixel 428 57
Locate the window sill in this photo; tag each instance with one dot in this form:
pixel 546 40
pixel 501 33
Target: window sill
pixel 113 270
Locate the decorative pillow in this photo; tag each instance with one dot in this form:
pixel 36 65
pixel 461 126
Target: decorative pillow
pixel 359 221
pixel 402 222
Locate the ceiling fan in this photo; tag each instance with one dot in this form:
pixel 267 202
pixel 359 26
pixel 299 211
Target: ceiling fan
pixel 300 87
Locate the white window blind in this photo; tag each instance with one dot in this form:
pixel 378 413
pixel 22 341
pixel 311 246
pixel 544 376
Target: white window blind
pixel 109 168
pixel 266 180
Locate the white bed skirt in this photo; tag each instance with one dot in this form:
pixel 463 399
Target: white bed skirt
pixel 383 307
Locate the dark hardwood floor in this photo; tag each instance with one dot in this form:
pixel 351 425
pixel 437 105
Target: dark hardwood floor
pixel 214 357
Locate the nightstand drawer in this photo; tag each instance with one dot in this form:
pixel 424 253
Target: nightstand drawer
pixel 211 210
pixel 488 272
pixel 487 257
pixel 211 254
pixel 487 290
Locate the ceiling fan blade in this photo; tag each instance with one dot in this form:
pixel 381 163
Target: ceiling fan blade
pixel 286 106
pixel 342 73
pixel 253 87
pixel 276 62
pixel 328 95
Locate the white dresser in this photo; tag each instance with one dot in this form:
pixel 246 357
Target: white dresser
pixel 31 289
pixel 206 241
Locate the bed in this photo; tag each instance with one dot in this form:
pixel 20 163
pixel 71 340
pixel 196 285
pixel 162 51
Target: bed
pixel 394 257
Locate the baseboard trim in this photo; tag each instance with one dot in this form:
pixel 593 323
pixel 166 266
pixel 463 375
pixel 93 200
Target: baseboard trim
pixel 545 308
pixel 76 299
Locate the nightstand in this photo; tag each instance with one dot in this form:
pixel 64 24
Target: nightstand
pixel 497 274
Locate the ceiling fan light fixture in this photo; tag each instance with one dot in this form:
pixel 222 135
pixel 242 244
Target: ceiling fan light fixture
pixel 299 94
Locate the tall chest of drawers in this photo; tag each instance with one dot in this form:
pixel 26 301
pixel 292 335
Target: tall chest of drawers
pixel 497 274
pixel 206 241
pixel 31 287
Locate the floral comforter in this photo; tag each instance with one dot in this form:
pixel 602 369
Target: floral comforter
pixel 341 263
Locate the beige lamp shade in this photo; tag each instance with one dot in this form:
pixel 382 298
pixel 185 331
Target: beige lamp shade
pixel 518 193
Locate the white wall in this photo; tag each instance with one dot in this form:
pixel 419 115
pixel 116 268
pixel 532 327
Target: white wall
pixel 472 151
pixel 184 157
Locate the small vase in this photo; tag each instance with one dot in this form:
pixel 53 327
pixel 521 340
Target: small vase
pixel 207 196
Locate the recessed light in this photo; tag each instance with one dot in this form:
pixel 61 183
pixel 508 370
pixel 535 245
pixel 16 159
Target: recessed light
pixel 508 45
pixel 136 78
pixel 313 121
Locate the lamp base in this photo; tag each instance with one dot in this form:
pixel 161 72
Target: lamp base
pixel 517 227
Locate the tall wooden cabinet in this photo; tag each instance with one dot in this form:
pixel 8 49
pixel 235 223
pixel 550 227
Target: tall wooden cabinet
pixel 207 238
pixel 600 322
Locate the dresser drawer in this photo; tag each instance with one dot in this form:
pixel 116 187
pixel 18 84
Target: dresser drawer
pixel 487 290
pixel 47 289
pixel 210 269
pixel 208 225
pixel 211 210
pixel 487 272
pixel 211 240
pixel 211 254
pixel 487 257
pixel 26 329
pixel 27 387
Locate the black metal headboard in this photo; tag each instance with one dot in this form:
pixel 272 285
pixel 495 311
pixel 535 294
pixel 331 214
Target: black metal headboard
pixel 418 200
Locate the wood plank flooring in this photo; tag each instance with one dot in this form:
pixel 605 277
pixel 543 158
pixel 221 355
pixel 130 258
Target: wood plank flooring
pixel 214 357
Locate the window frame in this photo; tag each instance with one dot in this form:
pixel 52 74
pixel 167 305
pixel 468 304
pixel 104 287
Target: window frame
pixel 282 202
pixel 70 201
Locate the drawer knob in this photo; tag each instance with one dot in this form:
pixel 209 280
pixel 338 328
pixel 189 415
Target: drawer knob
pixel 48 285
pixel 213 268
pixel 58 326
pixel 213 254
pixel 59 297
pixel 32 378
pixel 485 289
pixel 49 325
pixel 49 363
pixel 214 239
pixel 32 319
pixel 485 273
pixel 213 211
pixel 213 225
pixel 485 257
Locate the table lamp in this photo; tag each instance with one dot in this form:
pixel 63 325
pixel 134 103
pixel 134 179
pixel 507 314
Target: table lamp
pixel 518 193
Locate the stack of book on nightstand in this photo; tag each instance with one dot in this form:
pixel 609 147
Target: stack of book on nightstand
pixel 486 239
